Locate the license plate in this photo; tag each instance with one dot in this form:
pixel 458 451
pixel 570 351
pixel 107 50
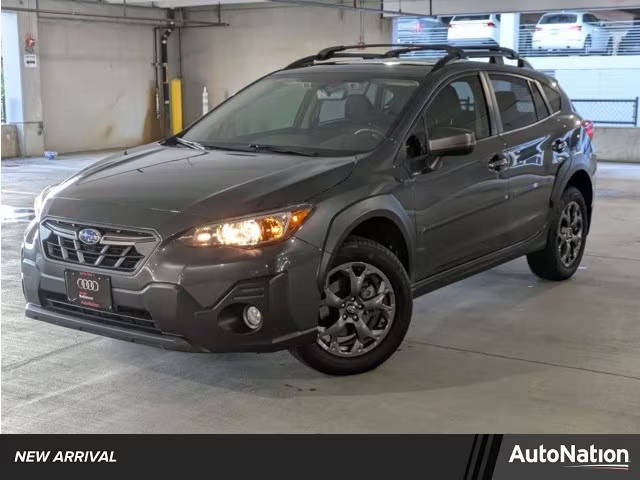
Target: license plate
pixel 88 289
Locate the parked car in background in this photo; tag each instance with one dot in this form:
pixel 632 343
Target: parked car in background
pixel 630 43
pixel 422 30
pixel 579 31
pixel 474 29
pixel 431 30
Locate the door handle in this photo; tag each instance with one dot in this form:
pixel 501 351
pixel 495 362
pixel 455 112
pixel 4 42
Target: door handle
pixel 498 162
pixel 559 145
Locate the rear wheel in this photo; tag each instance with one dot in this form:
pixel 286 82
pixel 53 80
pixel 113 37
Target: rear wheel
pixel 586 48
pixel 609 50
pixel 566 239
pixel 364 313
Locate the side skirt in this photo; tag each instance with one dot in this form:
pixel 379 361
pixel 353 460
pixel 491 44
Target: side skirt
pixel 442 279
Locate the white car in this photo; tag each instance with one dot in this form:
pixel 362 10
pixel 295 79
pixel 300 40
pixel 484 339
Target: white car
pixel 474 30
pixel 571 31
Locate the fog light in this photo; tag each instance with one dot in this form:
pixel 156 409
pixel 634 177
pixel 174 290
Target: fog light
pixel 252 317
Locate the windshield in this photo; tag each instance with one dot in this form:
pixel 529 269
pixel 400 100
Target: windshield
pixel 329 114
pixel 558 18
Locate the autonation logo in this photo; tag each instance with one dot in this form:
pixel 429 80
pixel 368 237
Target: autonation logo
pixel 571 457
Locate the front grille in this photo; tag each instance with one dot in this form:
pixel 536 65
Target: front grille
pixel 121 316
pixel 118 249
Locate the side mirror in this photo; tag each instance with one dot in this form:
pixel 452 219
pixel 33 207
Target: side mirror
pixel 451 141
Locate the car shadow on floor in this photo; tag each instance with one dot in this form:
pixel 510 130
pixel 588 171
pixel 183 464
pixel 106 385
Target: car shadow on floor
pixel 416 366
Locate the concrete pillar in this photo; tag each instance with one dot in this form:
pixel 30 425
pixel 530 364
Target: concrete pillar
pixel 31 131
pixel 509 30
pixel 12 67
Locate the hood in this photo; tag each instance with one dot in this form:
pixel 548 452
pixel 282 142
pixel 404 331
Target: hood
pixel 151 185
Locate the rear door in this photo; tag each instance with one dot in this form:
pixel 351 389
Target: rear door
pixel 536 145
pixel 460 206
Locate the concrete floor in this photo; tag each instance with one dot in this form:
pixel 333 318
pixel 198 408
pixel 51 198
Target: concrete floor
pixel 499 352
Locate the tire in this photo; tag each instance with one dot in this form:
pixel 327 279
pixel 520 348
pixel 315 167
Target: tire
pixel 609 50
pixel 348 349
pixel 586 48
pixel 560 259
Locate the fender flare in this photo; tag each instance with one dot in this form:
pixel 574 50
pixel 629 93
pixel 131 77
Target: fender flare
pixel 562 181
pixel 386 206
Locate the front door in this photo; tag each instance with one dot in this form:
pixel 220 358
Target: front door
pixel 460 205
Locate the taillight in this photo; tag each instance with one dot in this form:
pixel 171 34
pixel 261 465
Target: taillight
pixel 451 25
pixel 490 24
pixel 576 27
pixel 418 27
pixel 588 126
pixel 538 29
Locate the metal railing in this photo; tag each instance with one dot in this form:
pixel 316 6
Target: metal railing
pixel 611 38
pixel 614 112
pixel 606 38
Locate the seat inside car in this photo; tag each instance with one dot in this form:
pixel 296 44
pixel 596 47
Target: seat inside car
pixel 446 111
pixel 359 109
pixel 508 111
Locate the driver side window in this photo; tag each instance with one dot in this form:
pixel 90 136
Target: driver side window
pixel 460 104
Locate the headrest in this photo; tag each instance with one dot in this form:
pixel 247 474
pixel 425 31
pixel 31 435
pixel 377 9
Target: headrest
pixel 359 108
pixel 506 99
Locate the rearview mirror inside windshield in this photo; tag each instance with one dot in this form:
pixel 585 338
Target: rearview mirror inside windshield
pixel 324 94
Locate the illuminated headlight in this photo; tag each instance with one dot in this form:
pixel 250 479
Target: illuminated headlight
pixel 249 231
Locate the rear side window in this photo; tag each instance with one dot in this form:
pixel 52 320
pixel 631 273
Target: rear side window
pixel 541 108
pixel 515 102
pixel 553 97
pixel 469 18
pixel 588 18
pixel 558 18
pixel 460 104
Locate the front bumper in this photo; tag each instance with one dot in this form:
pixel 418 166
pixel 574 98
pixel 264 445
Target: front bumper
pixel 190 299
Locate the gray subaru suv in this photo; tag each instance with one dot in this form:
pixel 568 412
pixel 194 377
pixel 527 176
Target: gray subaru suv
pixel 308 210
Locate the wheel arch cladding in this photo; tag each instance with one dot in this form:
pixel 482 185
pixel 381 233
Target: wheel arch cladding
pixel 582 181
pixel 381 219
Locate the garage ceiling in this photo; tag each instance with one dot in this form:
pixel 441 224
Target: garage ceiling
pixel 433 7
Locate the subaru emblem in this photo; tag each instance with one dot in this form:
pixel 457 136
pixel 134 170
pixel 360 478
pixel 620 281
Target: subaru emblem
pixel 90 236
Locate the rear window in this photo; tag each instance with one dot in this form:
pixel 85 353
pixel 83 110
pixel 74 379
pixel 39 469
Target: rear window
pixel 553 96
pixel 541 108
pixel 559 18
pixel 467 18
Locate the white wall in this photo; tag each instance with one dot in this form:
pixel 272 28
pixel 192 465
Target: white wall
pixel 94 84
pixel 97 85
pixel 11 65
pixel 261 40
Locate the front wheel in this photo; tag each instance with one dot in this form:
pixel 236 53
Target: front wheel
pixel 566 239
pixel 364 313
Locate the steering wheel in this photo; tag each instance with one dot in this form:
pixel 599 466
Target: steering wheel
pixel 372 131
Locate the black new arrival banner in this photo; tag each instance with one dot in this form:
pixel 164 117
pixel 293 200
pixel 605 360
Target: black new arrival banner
pixel 463 457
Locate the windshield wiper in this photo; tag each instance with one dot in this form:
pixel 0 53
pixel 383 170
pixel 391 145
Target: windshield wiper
pixel 286 150
pixel 189 143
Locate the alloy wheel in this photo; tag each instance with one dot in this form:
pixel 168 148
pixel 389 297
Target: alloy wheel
pixel 569 233
pixel 357 309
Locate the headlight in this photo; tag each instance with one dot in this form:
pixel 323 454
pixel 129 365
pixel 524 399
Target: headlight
pixel 249 231
pixel 38 202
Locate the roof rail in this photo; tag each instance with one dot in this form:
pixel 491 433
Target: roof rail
pixel 396 50
pixel 494 53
